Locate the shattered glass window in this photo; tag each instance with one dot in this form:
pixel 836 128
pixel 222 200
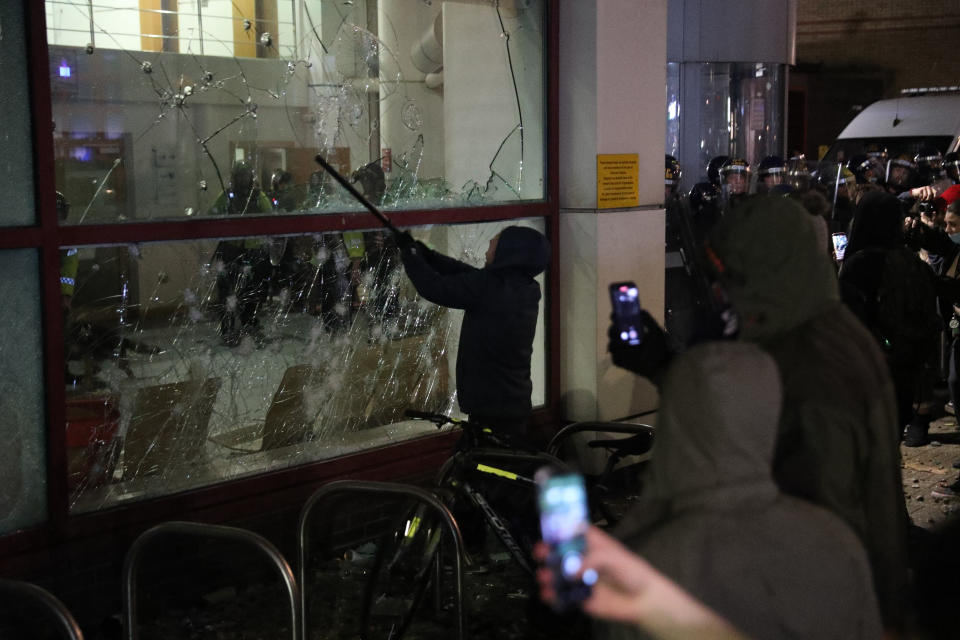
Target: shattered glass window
pixel 23 456
pixel 189 109
pixel 196 361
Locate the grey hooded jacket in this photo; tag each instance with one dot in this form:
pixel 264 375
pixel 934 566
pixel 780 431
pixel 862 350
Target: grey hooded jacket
pixel 838 439
pixel 712 518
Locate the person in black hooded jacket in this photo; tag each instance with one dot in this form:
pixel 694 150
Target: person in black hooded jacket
pixel 891 290
pixel 501 303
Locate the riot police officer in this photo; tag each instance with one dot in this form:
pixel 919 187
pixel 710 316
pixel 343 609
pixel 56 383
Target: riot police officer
pixel 771 172
pixel 735 176
pixel 713 170
pixel 683 289
pixel 798 173
pixel 901 174
pixel 929 162
pixel 839 183
pixel 866 170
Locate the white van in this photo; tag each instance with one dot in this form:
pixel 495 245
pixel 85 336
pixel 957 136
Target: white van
pixel 902 126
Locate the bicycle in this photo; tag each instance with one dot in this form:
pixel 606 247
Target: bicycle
pixel 408 555
pixel 600 489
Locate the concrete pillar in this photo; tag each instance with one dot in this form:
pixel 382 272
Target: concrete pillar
pixel 612 100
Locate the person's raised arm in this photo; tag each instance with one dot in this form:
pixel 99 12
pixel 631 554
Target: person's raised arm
pixel 439 262
pixel 439 279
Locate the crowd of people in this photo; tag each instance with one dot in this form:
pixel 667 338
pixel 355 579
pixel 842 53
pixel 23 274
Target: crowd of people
pixel 809 317
pixel 807 313
pixel 773 505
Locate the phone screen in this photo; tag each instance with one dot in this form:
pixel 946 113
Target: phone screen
pixel 839 245
pixel 564 517
pixel 626 311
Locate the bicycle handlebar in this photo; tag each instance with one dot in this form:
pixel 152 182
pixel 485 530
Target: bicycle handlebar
pixel 438 419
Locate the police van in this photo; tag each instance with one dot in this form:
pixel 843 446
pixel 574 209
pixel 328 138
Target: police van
pixel 918 119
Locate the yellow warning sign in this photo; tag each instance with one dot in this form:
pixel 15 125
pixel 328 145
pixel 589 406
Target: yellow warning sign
pixel 618 177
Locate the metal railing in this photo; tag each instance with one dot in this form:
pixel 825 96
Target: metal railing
pixel 10 589
pixel 381 488
pixel 195 529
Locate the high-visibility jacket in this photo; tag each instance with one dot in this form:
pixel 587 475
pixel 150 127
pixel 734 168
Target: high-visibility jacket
pixel 69 264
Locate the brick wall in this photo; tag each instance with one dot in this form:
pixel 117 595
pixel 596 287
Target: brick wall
pixel 916 40
pixel 853 52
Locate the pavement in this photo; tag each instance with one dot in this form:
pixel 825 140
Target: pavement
pixel 924 467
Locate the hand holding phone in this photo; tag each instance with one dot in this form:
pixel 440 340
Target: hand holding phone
pixel 839 245
pixel 564 519
pixel 626 312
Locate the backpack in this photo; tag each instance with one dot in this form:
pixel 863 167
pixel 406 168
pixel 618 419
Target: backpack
pixel 907 322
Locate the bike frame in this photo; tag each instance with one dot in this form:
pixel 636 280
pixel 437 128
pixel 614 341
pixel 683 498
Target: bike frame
pixel 490 462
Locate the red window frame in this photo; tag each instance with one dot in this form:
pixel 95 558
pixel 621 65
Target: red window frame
pixel 255 494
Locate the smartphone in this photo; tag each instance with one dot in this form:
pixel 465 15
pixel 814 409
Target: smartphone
pixel 626 312
pixel 839 245
pixel 564 518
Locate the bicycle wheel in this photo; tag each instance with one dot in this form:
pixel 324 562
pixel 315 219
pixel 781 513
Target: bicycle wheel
pixel 401 573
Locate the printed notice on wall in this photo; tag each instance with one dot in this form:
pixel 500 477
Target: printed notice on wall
pixel 618 176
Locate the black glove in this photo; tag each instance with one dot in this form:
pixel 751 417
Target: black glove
pixel 649 358
pixel 404 241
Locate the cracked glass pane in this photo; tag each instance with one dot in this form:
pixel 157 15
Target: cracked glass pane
pixel 193 362
pixel 218 107
pixel 16 165
pixel 23 456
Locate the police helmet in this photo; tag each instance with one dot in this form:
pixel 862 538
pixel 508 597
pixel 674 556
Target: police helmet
pixel 951 165
pixel 279 179
pixel 770 166
pixel 735 165
pixel 241 176
pixel 865 169
pixel 877 151
pixel 929 163
pixel 830 175
pixel 63 207
pixel 713 169
pixel 671 172
pixel 901 171
pixel 928 157
pixel 798 173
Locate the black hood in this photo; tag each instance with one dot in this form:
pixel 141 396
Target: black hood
pixel 523 249
pixel 877 223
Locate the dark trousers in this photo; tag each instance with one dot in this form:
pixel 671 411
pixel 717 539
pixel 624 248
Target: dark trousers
pixel 953 379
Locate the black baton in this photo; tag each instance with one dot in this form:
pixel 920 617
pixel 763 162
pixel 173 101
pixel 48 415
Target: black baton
pixel 356 194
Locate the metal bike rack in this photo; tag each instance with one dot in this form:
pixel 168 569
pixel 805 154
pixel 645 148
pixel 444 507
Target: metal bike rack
pixel 64 620
pixel 196 529
pixel 611 427
pixel 382 488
